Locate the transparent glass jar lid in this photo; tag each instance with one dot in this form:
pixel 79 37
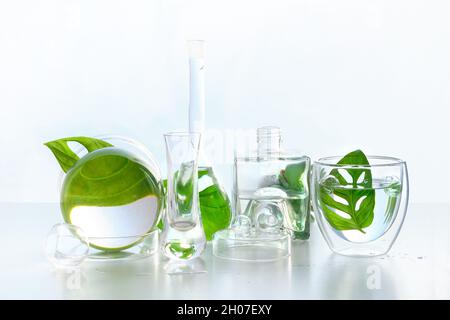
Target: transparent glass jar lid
pixel 244 242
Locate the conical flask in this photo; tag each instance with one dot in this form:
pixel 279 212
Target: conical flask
pixel 215 206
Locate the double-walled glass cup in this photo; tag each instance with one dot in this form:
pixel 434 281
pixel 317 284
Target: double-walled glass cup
pixel 360 209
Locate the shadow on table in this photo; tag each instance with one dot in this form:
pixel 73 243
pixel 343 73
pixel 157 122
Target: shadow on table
pixel 110 280
pixel 356 278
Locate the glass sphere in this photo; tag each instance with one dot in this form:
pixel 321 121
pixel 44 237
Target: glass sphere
pixel 66 246
pixel 114 196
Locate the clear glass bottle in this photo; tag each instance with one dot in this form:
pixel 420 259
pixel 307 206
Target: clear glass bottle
pixel 215 205
pixel 270 203
pixel 275 174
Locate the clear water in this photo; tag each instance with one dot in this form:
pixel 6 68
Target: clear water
pixel 271 208
pixel 387 201
pixel 183 241
pixel 186 237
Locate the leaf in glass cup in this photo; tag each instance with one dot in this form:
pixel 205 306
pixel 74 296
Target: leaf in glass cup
pixel 353 188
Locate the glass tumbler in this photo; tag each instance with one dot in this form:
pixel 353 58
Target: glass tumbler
pixel 183 237
pixel 360 209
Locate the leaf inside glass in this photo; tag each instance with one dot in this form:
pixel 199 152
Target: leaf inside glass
pixel 347 196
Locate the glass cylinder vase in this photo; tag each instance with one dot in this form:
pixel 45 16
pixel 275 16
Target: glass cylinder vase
pixel 183 237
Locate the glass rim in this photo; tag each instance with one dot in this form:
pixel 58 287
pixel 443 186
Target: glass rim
pixel 151 232
pixel 389 162
pixel 276 156
pixel 196 40
pixel 182 134
pixel 282 153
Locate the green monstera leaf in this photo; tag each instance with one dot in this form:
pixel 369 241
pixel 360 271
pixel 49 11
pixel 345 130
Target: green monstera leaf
pixel 291 177
pixel 66 157
pixel 356 210
pixel 214 206
pixel 181 250
pixel 294 179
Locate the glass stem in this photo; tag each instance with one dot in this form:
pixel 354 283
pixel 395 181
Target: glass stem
pixel 196 86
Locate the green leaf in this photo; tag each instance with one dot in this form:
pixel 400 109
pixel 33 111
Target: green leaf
pixel 357 195
pixel 215 210
pixel 111 177
pixel 202 172
pixel 215 206
pixel 293 180
pixel 181 250
pixel 291 177
pixel 66 157
pixel 184 189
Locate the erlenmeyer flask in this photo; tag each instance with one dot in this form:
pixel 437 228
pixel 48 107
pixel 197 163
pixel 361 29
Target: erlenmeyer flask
pixel 215 205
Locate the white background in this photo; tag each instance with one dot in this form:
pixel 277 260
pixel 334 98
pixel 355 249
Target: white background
pixel 335 75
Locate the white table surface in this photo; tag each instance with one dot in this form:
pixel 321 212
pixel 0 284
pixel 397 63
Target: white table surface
pixel 418 267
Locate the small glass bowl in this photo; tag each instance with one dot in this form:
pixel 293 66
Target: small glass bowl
pixel 66 246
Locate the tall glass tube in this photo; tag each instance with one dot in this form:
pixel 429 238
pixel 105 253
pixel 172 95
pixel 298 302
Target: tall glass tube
pixel 183 237
pixel 215 204
pixel 196 85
